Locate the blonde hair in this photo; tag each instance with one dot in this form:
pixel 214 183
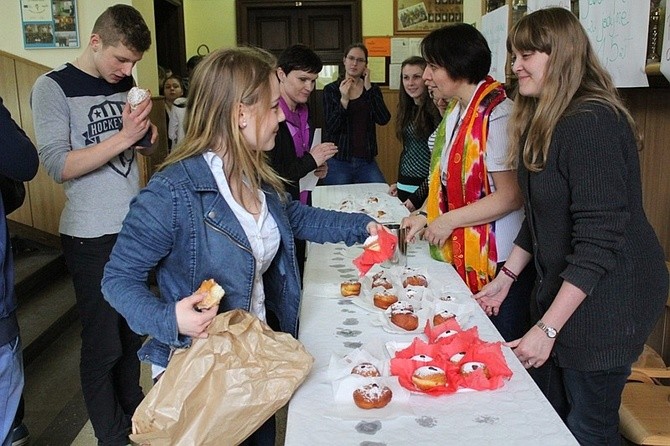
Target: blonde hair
pixel 221 83
pixel 573 75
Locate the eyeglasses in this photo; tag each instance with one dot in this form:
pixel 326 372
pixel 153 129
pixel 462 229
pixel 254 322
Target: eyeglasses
pixel 353 59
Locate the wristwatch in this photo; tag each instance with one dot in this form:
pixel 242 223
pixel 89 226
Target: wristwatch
pixel 551 332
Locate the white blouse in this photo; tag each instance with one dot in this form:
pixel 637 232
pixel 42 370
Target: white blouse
pixel 263 233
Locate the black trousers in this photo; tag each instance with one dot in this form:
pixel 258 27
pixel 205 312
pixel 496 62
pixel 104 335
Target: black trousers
pixel 109 367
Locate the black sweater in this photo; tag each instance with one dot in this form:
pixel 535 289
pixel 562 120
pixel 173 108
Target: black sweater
pixel 585 225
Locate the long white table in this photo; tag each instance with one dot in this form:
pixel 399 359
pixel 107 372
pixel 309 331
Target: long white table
pixel 516 414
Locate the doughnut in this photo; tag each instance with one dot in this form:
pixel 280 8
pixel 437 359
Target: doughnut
pixel 350 288
pixel 402 306
pixel 427 377
pixel 405 319
pixel 372 396
pixel 442 317
pixel 365 369
pixel 136 96
pixel 421 358
pixel 456 357
pixel 372 243
pixel 384 299
pixel 446 334
pixel 382 282
pixel 214 294
pixel 415 280
pixel 473 366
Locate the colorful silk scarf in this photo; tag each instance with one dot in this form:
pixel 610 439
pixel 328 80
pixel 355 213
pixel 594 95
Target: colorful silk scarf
pixel 472 250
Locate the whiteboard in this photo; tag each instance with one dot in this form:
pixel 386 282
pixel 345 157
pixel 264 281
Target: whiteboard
pixel 618 32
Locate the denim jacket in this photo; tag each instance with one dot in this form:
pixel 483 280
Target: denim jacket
pixel 183 226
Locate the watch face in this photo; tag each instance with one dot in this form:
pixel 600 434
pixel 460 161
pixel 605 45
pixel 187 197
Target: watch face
pixel 549 331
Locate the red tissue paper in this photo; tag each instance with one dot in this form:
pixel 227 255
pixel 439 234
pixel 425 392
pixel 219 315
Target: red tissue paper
pixel 377 249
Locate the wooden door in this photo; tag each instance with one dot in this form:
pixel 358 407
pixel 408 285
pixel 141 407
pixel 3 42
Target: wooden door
pixel 326 26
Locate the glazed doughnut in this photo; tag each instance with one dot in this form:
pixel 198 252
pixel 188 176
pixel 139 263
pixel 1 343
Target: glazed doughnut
pixel 365 369
pixel 474 366
pixel 384 299
pixel 442 317
pixel 415 280
pixel 350 288
pixel 427 377
pixel 214 294
pixel 372 396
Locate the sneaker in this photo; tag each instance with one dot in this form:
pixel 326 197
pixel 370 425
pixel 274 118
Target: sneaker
pixel 20 435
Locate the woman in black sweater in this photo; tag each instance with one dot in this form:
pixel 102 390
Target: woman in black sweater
pixel 601 277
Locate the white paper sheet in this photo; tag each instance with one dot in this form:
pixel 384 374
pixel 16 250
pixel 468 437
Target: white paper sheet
pixel 494 28
pixel 618 33
pixel 308 182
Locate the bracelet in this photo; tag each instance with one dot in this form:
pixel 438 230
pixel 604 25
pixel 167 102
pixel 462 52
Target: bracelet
pixel 509 273
pixel 422 213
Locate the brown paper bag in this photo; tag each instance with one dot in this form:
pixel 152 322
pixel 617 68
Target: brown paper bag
pixel 221 389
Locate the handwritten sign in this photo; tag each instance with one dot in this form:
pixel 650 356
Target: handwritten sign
pixel 534 5
pixel 665 51
pixel 618 32
pixel 494 28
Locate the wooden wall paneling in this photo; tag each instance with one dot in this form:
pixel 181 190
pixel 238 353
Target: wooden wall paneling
pixel 387 143
pixel 655 179
pixel 651 109
pixel 46 196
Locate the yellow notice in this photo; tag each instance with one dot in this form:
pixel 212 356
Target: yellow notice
pixel 377 66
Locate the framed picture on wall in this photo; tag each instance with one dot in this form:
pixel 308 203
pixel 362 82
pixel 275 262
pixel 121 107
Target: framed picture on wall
pixel 419 17
pixel 49 24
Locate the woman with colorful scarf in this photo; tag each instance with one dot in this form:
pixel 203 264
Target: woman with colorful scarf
pixel 473 210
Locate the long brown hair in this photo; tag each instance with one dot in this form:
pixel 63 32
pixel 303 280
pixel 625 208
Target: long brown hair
pixel 573 75
pixel 223 81
pixel 424 116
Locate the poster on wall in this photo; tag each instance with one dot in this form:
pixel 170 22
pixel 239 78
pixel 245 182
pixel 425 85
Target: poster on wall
pixel 49 24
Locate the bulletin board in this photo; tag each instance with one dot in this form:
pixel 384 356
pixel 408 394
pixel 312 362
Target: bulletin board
pixel 49 24
pixel 422 16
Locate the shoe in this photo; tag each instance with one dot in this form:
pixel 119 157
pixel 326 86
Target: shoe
pixel 20 435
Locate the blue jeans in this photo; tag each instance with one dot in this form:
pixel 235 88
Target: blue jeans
pixel 358 170
pixel 588 402
pixel 11 387
pixel 513 319
pixel 109 367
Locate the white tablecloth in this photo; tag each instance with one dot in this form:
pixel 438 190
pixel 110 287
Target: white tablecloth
pixel 330 326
